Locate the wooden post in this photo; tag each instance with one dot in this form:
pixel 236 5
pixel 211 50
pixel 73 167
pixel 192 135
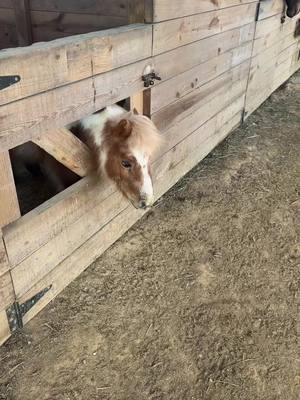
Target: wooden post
pixel 23 22
pixel 9 206
pixel 137 102
pixel 141 101
pixel 136 11
pixel 9 211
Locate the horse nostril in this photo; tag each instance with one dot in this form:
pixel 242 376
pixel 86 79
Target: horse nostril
pixel 143 204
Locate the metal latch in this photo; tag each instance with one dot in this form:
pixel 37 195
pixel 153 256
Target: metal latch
pixel 16 311
pixel 148 79
pixel 6 81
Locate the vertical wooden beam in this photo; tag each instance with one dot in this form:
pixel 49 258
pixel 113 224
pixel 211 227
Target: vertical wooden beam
pixel 141 101
pixel 4 327
pixel 23 22
pixel 9 206
pixel 137 102
pixel 9 211
pixel 136 11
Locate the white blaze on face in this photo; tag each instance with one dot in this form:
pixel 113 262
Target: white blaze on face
pixel 146 191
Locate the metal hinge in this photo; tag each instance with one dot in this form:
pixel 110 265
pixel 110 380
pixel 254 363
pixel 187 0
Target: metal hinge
pixel 6 81
pixel 257 11
pixel 16 311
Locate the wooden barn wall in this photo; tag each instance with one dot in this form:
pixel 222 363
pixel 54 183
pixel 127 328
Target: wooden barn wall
pixel 276 53
pixel 213 61
pixel 53 19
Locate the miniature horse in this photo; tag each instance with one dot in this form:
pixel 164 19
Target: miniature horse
pixel 121 143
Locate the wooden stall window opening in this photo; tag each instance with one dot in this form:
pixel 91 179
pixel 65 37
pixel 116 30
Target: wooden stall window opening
pixel 69 155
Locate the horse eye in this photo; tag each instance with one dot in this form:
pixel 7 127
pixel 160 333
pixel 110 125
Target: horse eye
pixel 126 164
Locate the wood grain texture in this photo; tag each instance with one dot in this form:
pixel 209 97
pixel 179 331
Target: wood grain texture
pixel 275 58
pixel 4 266
pixel 7 295
pixel 262 43
pixel 103 7
pixel 164 9
pixel 49 25
pixel 9 206
pixel 170 115
pixel 179 86
pixel 23 120
pixel 23 22
pixel 268 8
pixel 42 224
pixel 178 32
pixel 67 149
pixel 137 102
pixel 136 11
pixel 193 54
pixel 72 59
pixel 4 327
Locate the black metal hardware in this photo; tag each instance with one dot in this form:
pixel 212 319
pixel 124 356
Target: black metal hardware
pixel 148 79
pixel 6 81
pixel 16 311
pixel 257 11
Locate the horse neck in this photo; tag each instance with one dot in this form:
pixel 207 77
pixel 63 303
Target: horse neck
pixel 93 134
pixel 93 125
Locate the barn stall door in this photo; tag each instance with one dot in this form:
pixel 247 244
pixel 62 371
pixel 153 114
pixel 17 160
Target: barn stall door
pixel 276 53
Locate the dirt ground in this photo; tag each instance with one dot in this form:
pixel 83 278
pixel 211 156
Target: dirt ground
pixel 200 300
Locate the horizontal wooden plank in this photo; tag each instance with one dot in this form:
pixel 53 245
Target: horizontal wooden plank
pixel 103 7
pixel 174 112
pixel 193 54
pixel 72 266
pixel 271 38
pixel 164 9
pixel 65 243
pixel 4 327
pixel 48 25
pixel 268 25
pixel 24 119
pixel 268 8
pixel 206 108
pixel 262 85
pixel 262 66
pixel 174 33
pixel 72 59
pixel 189 81
pixel 9 206
pixel 7 295
pixel 40 225
pixel 67 149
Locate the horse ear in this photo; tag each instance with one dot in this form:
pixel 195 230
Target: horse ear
pixel 124 128
pixel 135 111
